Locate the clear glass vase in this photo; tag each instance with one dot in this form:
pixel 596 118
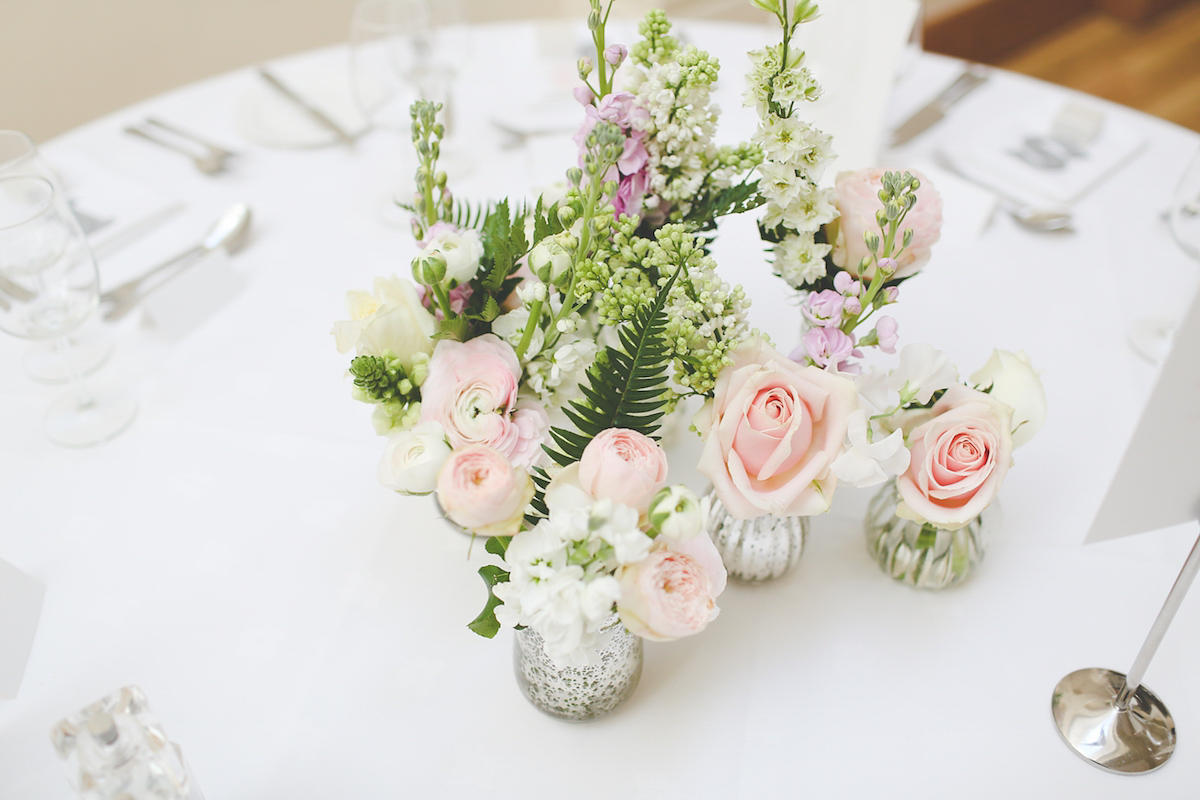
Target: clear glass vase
pixel 758 549
pixel 921 555
pixel 580 694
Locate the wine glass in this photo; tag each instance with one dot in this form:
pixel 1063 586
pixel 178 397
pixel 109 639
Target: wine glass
pixel 91 346
pixel 49 288
pixel 1185 210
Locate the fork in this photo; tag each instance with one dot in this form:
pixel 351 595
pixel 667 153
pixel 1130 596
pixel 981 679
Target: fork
pixel 178 131
pixel 210 164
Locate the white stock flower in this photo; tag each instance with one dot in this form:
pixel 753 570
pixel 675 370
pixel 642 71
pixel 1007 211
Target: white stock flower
pixel 922 371
pixel 412 458
pixel 1013 382
pixel 800 260
pixel 616 524
pixel 461 251
pixel 869 463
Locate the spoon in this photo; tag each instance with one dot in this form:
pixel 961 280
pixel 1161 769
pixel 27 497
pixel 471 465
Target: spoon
pixel 212 162
pixel 230 231
pixel 1036 219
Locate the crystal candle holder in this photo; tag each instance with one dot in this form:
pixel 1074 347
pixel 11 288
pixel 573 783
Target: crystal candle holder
pixel 116 749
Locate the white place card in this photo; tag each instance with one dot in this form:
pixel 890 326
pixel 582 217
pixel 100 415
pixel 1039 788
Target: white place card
pixel 20 606
pixel 1157 485
pixel 189 299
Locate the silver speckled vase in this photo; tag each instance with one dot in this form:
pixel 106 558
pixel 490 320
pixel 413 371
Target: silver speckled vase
pixel 579 694
pixel 921 555
pixel 758 549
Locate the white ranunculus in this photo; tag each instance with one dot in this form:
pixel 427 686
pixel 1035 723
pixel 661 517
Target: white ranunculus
pixel 1014 383
pixel 922 371
pixel 869 463
pixel 461 251
pixel 390 318
pixel 550 260
pixel 675 513
pixel 412 458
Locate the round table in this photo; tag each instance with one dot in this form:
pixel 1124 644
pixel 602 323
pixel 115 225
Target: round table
pixel 301 631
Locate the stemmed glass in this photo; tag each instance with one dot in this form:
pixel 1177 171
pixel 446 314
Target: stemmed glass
pixel 406 50
pixel 92 346
pixel 50 286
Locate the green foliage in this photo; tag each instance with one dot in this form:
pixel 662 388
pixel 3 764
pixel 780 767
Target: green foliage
pixel 469 215
pixel 625 388
pixel 486 624
pixel 503 243
pixel 707 207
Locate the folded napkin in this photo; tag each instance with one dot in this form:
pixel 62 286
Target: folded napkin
pixel 112 207
pixel 855 52
pixel 1048 154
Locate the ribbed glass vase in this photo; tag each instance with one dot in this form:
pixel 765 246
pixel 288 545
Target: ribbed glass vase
pixel 579 694
pixel 758 549
pixel 921 555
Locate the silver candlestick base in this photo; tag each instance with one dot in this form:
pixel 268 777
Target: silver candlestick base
pixel 1120 731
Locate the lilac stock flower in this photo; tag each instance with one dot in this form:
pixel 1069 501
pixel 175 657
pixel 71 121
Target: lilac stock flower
pixel 584 95
pixel 891 293
pixel 887 266
pixel 823 308
pixel 621 109
pixel 885 332
pixel 852 306
pixel 459 296
pixel 831 349
pixel 845 284
pixel 615 53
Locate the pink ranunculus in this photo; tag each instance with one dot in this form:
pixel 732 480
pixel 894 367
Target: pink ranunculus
pixel 857 200
pixel 672 592
pixel 772 430
pixel 959 459
pixel 471 392
pixel 480 490
pixel 624 466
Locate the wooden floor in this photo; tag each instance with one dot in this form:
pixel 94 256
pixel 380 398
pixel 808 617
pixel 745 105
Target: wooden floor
pixel 1154 67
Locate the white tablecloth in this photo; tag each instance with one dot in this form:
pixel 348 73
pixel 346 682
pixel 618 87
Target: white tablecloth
pixel 301 631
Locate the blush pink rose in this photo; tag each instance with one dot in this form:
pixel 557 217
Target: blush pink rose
pixel 471 392
pixel 672 592
pixel 479 489
pixel 771 431
pixel 624 466
pixel 960 456
pixel 857 200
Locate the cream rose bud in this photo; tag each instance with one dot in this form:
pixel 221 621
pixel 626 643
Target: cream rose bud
pixel 461 250
pixel 960 456
pixel 623 465
pixel 480 490
pixel 672 592
pixel 411 460
pixel 857 200
pixel 675 513
pixel 1012 381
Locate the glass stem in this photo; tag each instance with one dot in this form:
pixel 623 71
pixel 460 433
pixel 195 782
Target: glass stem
pixel 83 395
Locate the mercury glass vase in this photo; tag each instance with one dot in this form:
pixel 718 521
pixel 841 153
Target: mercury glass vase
pixel 758 549
pixel 921 554
pixel 580 694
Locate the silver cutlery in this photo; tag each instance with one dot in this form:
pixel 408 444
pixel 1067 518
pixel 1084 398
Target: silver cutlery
pixel 933 112
pixel 1038 219
pixel 210 163
pixel 319 116
pixel 171 127
pixel 230 231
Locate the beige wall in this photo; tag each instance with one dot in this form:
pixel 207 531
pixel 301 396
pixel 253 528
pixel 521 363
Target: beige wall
pixel 64 62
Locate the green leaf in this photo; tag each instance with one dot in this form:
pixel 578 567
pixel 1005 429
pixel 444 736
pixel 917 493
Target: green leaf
pixel 486 624
pixel 497 545
pixel 491 309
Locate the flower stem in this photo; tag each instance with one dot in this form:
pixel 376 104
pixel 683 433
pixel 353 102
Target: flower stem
pixel 535 318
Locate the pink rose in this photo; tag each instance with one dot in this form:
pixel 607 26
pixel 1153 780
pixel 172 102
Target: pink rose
pixel 772 430
pixel 672 592
pixel 856 197
pixel 480 490
pixel 471 392
pixel 624 466
pixel 960 456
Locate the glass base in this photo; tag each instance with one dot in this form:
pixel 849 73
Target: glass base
pixel 46 363
pixel 755 550
pixel 1126 741
pixel 71 422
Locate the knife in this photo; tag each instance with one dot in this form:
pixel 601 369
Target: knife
pixel 936 109
pixel 317 114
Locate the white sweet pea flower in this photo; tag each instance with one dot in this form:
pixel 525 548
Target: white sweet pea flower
pixel 922 371
pixel 391 318
pixel 869 463
pixel 461 250
pixel 412 458
pixel 873 390
pixel 1014 383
